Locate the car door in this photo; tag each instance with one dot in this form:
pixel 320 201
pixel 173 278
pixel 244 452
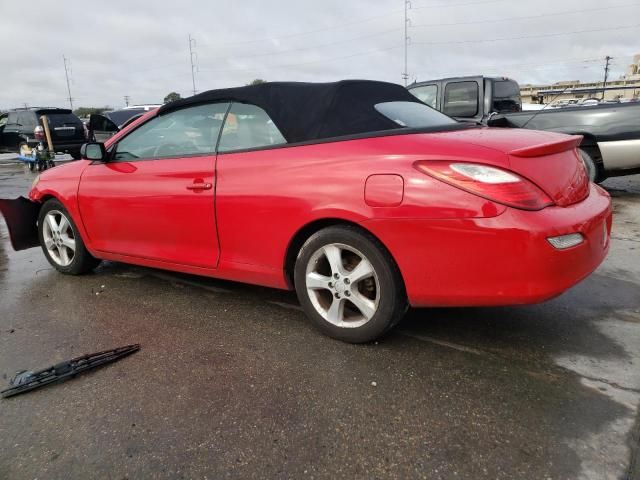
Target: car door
pixel 249 184
pixel 101 128
pixel 154 197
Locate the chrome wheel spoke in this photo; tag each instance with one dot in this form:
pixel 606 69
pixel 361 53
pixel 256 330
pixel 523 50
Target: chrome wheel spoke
pixel 366 306
pixel 315 281
pixel 334 257
pixel 335 313
pixel 68 242
pixel 363 270
pixel 51 221
pixel 48 243
pixel 64 255
pixel 63 225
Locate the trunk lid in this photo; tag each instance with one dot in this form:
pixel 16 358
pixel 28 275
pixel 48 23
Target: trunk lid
pixel 550 160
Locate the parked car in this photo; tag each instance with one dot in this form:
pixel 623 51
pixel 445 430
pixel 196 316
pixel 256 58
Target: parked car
pixel 106 124
pixel 355 193
pixel 611 133
pixel 23 125
pixel 527 107
pixel 588 102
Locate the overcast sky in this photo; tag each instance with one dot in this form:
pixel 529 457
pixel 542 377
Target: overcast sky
pixel 141 49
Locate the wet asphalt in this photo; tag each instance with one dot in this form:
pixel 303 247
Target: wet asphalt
pixel 232 382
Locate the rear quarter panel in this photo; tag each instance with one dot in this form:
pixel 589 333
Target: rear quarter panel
pixel 264 197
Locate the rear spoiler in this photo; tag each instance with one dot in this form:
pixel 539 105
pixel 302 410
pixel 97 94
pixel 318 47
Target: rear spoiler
pixel 558 146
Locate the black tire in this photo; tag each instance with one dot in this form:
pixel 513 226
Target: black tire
pixel 82 261
pixel 593 168
pixel 390 292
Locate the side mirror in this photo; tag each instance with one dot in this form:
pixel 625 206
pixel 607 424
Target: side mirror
pixel 93 151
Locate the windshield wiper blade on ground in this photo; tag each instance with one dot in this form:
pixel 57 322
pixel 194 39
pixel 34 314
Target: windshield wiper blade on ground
pixel 25 381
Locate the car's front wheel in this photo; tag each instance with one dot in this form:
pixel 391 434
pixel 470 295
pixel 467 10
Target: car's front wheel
pixel 61 242
pixel 348 284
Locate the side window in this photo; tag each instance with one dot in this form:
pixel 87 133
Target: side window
pixel 27 120
pixel 426 94
pixel 12 119
pixel 461 99
pixel 248 126
pixel 185 132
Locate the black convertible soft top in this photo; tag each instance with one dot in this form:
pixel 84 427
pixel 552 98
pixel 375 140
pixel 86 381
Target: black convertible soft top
pixel 312 111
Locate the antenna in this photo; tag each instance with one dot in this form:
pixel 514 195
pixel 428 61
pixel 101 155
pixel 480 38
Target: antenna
pixel 67 67
pixel 606 74
pixel 407 39
pixel 192 53
pixel 552 100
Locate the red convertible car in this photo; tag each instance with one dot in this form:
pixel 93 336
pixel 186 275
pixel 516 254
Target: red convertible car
pixel 355 193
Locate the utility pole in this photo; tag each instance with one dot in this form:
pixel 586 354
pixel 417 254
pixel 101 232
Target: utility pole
pixel 407 22
pixel 606 74
pixel 126 100
pixel 67 67
pixel 192 44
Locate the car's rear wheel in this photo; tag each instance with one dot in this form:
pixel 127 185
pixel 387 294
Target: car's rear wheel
pixel 61 242
pixel 348 284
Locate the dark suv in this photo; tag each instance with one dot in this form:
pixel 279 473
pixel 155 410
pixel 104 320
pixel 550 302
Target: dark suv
pixel 23 125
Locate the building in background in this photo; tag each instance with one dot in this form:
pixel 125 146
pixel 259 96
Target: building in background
pixel 626 87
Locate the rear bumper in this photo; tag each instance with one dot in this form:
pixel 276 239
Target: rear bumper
pixel 504 260
pixel 60 146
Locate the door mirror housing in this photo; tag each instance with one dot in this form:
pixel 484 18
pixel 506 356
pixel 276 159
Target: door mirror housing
pixel 94 151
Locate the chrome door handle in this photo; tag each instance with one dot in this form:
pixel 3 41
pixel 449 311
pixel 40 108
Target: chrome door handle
pixel 200 186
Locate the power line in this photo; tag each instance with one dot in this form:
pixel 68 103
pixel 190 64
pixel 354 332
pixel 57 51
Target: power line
pixel 357 22
pixel 368 52
pixel 322 60
pixel 311 32
pixel 509 19
pixel 543 35
pixel 314 47
pixel 467 4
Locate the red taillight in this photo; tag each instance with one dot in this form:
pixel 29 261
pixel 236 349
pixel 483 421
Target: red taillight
pixel 38 132
pixel 492 183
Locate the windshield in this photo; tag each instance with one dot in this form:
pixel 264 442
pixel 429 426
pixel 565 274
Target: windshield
pixel 413 115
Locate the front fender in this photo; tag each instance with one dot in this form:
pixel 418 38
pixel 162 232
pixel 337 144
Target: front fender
pixel 21 216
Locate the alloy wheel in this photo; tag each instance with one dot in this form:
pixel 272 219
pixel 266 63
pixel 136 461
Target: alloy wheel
pixel 59 239
pixel 342 285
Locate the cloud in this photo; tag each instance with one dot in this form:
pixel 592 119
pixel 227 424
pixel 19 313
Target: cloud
pixel 141 49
